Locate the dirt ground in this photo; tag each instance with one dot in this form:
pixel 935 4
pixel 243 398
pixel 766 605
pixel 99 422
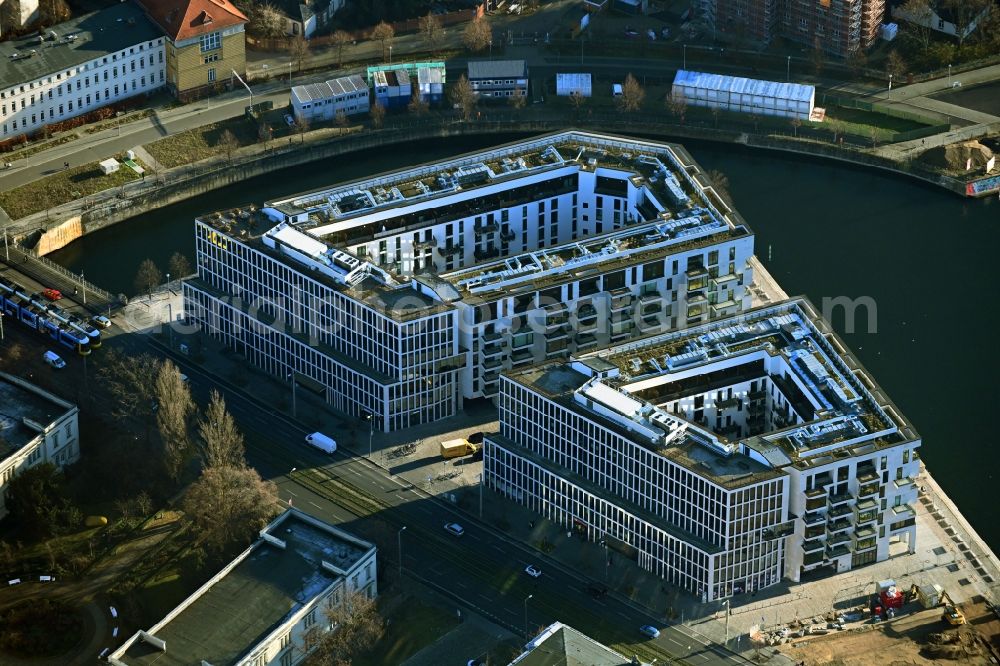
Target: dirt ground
pixel 920 638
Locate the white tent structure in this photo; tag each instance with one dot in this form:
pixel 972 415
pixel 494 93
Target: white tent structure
pixel 573 84
pixel 742 95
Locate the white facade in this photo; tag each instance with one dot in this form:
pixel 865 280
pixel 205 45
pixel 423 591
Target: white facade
pixel 742 95
pixel 498 79
pixel 55 90
pixel 573 84
pixel 333 564
pixel 723 457
pixel 320 102
pixel 406 293
pixel 35 427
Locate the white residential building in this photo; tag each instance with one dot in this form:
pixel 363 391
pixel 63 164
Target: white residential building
pixel 321 102
pixel 723 458
pixel 78 66
pixel 404 294
pixel 35 427
pixel 259 610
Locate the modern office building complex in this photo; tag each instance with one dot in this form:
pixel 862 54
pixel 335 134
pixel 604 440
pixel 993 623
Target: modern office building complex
pixel 78 66
pixel 35 427
pixel 402 295
pixel 723 457
pixel 266 606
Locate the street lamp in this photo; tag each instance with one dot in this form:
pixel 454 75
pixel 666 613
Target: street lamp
pixel 727 623
pixel 685 47
pixel 1 338
pixel 890 87
pixel 371 429
pixel 607 561
pixel 788 69
pixel 949 76
pixel 83 287
pixel 390 54
pixel 526 615
pixel 295 410
pixel 399 541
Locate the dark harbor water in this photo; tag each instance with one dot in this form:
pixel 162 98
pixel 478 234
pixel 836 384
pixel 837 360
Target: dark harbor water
pixel 922 255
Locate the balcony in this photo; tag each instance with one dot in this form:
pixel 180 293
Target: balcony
pixel 813 518
pixel 727 306
pixel 586 313
pixel 815 532
pixel 815 503
pixel 839 525
pixel 905 482
pixel 812 545
pixel 620 298
pixel 727 403
pixel 903 511
pixel 521 357
pixel 869 489
pixel 865 533
pixel 492 362
pixel 695 311
pixel 487 254
pixel 840 511
pixel 696 271
pixel 723 280
pixel 508 236
pixel 867 474
pixel 837 551
pixel 553 351
pixel 840 498
pixel 488 228
pixel 556 333
pixel 449 250
pixel 816 492
pixel 757 395
pixel 813 558
pixel 425 244
pixel 585 340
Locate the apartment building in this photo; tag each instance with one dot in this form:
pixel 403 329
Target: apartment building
pixel 838 27
pixel 205 43
pixel 265 607
pixel 404 294
pixel 35 427
pixel 78 66
pixel 724 457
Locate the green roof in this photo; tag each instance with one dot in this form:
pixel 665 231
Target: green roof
pixel 97 34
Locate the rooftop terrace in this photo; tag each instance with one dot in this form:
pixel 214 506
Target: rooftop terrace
pixel 25 411
pixel 624 387
pixel 238 609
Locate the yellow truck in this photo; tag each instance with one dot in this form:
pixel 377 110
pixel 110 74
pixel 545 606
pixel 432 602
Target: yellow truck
pixel 455 448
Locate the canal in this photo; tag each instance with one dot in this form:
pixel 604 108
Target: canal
pixel 920 257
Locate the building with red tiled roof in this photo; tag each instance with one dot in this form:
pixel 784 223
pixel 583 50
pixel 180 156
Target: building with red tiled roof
pixel 205 43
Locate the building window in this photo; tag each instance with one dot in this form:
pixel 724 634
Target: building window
pixel 286 658
pixel 310 619
pixel 211 75
pixel 213 57
pixel 211 41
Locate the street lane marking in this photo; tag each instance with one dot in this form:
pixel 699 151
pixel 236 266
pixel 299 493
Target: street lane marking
pixel 622 614
pixel 675 642
pixel 315 505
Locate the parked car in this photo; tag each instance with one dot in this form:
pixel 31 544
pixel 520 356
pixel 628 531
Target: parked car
pixel 532 571
pixel 454 529
pixel 52 294
pixel 665 33
pixel 53 359
pixel 630 32
pixel 290 120
pixel 651 34
pixel 650 631
pixel 100 321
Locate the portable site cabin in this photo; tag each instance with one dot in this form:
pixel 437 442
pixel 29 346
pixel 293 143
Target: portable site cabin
pixel 109 166
pixel 573 84
pixel 392 88
pixel 431 84
pixel 742 95
pixel 322 101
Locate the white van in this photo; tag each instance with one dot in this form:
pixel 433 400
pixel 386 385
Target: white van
pixel 54 360
pixel 616 90
pixel 321 442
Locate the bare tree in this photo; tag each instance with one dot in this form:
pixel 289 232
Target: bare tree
pixel 229 505
pixel 677 105
pixel 384 34
pixel 298 50
pixel 179 266
pixel 577 101
pixel 796 124
pixel 229 144
pixel 716 112
pixel 264 20
pixel 966 12
pixel 147 277
pixel 519 99
pixel 221 442
pixel 418 106
pixel 463 97
pixel 857 61
pixel 377 113
pixel 358 626
pixel 340 39
pixel 144 503
pixel 632 95
pixel 894 64
pixel 53 11
pixel 818 56
pixel 302 126
pixel 918 20
pixel 264 133
pixel 127 379
pixel 478 35
pixel 173 413
pixel 431 31
pixel 340 118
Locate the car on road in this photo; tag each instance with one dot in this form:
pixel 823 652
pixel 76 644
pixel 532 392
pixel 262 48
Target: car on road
pixel 532 571
pixel 290 120
pixel 54 360
pixel 100 321
pixel 630 32
pixel 649 630
pixel 454 529
pixel 52 294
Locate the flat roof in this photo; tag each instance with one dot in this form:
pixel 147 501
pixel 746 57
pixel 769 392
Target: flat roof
pixel 627 388
pixel 562 645
pixel 78 40
pixel 739 84
pixel 487 69
pixel 243 606
pixel 25 411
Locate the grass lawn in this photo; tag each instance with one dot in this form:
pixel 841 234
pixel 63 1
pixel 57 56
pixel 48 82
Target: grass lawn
pixel 63 186
pixel 412 627
pixel 860 122
pixel 201 142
